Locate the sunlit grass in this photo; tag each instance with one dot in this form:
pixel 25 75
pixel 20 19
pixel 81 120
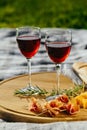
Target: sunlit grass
pixel 44 13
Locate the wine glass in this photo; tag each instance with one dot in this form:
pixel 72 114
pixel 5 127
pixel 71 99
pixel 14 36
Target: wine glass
pixel 58 46
pixel 28 39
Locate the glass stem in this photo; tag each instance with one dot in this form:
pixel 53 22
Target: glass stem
pixel 58 70
pixel 29 71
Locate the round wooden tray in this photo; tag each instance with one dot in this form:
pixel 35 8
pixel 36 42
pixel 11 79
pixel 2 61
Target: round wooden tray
pixel 13 108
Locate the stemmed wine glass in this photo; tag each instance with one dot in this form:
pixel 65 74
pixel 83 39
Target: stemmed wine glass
pixel 28 39
pixel 58 46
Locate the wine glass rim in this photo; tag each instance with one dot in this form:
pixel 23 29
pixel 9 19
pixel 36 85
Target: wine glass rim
pixel 22 27
pixel 56 30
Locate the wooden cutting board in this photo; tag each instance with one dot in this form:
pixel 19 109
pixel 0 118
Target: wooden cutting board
pixel 13 108
pixel 81 69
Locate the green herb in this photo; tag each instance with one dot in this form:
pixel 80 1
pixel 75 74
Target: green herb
pixel 72 92
pixel 30 92
pixel 53 93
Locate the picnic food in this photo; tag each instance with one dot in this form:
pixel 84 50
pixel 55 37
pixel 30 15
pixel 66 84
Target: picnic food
pixel 61 104
pixel 68 102
pixel 82 100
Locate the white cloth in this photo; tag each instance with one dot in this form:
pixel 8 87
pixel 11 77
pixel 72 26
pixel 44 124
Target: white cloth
pixel 79 125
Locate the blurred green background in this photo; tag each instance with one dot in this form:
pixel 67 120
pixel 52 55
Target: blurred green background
pixel 44 13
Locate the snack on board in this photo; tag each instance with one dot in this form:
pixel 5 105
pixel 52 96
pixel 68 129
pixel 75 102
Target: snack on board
pixel 82 100
pixel 61 104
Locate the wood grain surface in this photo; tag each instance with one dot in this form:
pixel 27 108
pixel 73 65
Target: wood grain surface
pixel 81 70
pixel 13 108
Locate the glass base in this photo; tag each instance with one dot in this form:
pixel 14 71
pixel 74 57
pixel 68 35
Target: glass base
pixel 29 88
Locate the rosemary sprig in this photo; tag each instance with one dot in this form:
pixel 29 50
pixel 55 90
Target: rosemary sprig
pixel 71 92
pixel 30 92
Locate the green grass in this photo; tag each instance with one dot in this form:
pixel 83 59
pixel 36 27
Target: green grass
pixel 44 13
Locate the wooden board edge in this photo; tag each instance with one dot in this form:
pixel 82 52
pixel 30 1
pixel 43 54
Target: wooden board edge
pixel 17 117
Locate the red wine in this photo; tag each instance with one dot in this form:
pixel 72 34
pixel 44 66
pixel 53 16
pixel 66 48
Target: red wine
pixel 28 45
pixel 58 51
